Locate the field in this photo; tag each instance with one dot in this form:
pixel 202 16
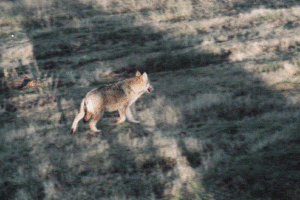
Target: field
pixel 222 123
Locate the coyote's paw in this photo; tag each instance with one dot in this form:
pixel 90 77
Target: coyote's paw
pixel 96 130
pixel 134 121
pixel 118 121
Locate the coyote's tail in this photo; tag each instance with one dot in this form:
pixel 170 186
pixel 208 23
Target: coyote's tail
pixel 81 114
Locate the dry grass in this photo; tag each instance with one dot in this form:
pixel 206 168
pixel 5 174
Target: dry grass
pixel 222 123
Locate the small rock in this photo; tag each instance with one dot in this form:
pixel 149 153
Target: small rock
pixel 222 38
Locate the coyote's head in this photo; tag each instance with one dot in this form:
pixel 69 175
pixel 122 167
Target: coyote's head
pixel 142 83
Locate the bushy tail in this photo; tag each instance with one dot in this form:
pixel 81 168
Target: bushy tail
pixel 79 116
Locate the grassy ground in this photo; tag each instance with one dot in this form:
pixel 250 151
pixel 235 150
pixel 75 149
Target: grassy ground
pixel 223 122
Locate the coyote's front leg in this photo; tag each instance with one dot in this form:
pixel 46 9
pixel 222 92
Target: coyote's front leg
pixel 122 116
pixel 130 116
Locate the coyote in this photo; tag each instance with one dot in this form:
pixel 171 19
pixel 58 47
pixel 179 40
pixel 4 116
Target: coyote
pixel 118 96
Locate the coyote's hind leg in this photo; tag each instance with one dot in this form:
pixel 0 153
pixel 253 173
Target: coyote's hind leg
pixel 93 122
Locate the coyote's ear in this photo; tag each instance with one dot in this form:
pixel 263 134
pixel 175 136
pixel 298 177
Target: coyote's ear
pixel 145 76
pixel 137 73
